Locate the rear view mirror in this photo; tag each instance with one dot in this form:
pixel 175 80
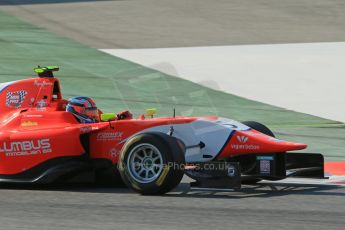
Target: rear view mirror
pixel 151 112
pixel 108 116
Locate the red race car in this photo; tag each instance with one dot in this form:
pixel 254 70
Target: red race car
pixel 43 142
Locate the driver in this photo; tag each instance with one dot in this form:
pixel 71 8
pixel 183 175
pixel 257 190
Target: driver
pixel 86 111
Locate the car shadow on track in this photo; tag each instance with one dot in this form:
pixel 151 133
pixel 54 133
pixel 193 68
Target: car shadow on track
pixel 259 190
pixel 81 187
pixel 31 2
pixel 184 190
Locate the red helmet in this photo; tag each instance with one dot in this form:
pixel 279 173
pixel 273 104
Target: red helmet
pixel 84 109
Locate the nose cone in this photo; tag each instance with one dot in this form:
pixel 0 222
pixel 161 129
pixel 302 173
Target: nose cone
pixel 277 145
pixel 252 141
pixel 271 144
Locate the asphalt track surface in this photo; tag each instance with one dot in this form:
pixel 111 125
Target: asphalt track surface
pixel 255 207
pixel 178 23
pixel 269 206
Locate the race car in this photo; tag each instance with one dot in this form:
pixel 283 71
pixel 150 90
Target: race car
pixel 41 142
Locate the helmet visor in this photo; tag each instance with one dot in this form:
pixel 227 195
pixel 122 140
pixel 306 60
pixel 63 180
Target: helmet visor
pixel 92 113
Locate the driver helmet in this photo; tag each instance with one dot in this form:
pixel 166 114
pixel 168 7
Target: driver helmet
pixel 84 109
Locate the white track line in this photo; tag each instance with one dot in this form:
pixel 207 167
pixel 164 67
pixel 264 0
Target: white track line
pixel 307 77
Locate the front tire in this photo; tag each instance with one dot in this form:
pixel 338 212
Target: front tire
pixel 259 127
pixel 248 162
pixel 152 163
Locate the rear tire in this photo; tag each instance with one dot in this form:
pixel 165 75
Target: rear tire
pixel 152 163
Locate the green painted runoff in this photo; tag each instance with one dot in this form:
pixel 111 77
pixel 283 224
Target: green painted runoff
pixel 117 84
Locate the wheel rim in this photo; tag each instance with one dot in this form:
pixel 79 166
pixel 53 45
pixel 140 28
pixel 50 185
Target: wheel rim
pixel 145 163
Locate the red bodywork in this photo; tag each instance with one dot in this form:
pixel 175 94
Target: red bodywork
pixel 35 128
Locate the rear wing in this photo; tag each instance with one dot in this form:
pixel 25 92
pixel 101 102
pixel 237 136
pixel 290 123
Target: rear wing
pixel 46 71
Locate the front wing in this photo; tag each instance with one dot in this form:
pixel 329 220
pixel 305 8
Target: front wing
pixel 267 166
